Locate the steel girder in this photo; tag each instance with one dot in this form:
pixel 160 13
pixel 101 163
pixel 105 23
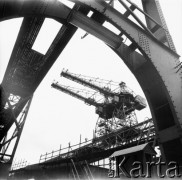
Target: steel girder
pixel 164 94
pixel 153 9
pixel 154 68
pixel 13 110
pixel 24 63
pixel 27 67
pixel 25 71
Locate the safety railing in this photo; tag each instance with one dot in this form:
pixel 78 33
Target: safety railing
pixel 141 132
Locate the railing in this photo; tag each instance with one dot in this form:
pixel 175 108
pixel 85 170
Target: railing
pixel 64 151
pixel 143 131
pixel 137 134
pixel 19 164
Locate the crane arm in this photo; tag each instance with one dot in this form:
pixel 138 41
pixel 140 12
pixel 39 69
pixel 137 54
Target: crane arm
pixel 66 90
pixel 86 83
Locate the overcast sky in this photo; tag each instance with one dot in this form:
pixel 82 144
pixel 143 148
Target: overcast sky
pixel 55 118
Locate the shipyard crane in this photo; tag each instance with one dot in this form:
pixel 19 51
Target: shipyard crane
pixel 116 108
pixel 119 91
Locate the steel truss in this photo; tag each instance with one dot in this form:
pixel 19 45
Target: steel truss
pixel 150 55
pixel 141 133
pixel 14 110
pixel 116 106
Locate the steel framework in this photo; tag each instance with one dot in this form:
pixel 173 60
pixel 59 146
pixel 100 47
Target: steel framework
pixel 90 151
pixel 13 114
pixel 156 61
pixel 115 107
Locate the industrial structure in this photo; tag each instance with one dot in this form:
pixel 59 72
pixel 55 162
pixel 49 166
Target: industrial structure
pixel 70 162
pixel 115 107
pixel 151 56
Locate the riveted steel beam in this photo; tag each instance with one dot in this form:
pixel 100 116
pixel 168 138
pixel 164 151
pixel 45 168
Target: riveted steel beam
pixel 164 94
pixel 19 8
pixel 95 29
pixel 22 63
pixel 153 9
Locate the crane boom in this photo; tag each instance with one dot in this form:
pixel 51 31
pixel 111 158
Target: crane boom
pixel 138 102
pixel 89 101
pixel 117 107
pixel 86 83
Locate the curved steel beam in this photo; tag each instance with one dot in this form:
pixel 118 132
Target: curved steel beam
pixel 164 94
pixel 155 69
pixel 19 8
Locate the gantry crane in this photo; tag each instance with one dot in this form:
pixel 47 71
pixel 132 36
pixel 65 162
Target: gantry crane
pixel 116 108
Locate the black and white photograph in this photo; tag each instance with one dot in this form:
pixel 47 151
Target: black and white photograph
pixel 90 89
